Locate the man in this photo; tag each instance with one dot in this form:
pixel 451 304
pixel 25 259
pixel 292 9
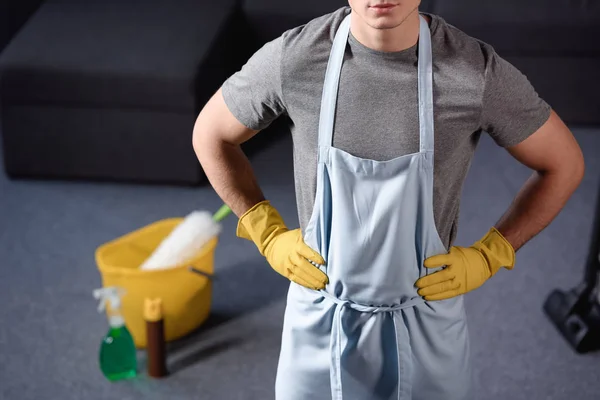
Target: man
pixel 387 107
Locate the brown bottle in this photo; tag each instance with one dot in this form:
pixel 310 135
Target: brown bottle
pixel 155 333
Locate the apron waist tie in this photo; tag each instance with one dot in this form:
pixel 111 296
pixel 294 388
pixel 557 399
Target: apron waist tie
pixel 403 349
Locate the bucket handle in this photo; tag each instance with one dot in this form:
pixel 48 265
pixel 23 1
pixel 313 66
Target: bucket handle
pixel 199 272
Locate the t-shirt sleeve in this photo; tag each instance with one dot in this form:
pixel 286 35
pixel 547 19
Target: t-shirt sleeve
pixel 253 94
pixel 512 109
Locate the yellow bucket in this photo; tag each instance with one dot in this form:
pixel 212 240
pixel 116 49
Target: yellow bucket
pixel 186 296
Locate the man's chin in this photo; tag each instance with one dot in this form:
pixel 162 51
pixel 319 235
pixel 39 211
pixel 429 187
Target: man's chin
pixel 384 24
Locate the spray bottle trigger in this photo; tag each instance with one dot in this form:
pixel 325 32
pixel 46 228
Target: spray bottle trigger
pixel 109 294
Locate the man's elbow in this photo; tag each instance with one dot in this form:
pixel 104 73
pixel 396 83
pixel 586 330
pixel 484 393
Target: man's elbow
pixel 197 137
pixel 203 136
pixel 578 170
pixel 571 170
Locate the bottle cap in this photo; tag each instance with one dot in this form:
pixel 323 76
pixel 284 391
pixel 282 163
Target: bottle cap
pixel 153 309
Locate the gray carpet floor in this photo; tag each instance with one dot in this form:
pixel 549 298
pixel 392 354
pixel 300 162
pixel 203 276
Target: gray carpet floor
pixel 50 331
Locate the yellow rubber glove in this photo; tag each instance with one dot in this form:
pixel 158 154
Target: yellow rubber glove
pixel 466 268
pixel 284 249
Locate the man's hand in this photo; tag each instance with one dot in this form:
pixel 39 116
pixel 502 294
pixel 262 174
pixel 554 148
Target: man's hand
pixel 284 249
pixel 467 268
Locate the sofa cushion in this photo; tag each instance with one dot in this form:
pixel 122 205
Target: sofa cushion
pixel 130 53
pixel 531 27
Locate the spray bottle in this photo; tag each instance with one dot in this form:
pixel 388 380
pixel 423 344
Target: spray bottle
pixel 118 357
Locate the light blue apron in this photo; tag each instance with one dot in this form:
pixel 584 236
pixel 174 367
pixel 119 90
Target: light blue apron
pixel 368 335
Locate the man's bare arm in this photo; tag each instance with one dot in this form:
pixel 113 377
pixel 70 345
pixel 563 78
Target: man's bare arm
pixel 553 153
pixel 216 140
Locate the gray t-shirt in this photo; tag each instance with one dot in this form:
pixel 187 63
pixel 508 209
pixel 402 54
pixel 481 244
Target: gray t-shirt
pixel 377 113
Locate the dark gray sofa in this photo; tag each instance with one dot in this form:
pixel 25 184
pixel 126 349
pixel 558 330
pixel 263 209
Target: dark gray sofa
pixel 110 90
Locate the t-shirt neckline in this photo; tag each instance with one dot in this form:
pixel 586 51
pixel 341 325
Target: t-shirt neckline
pixel 408 53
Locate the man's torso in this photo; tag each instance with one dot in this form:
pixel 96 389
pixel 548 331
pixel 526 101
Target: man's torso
pixel 377 109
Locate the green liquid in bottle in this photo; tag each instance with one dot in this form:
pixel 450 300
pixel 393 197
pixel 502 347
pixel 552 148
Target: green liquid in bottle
pixel 118 355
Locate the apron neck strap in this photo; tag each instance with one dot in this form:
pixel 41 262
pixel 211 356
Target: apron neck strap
pixel 332 80
pixel 425 71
